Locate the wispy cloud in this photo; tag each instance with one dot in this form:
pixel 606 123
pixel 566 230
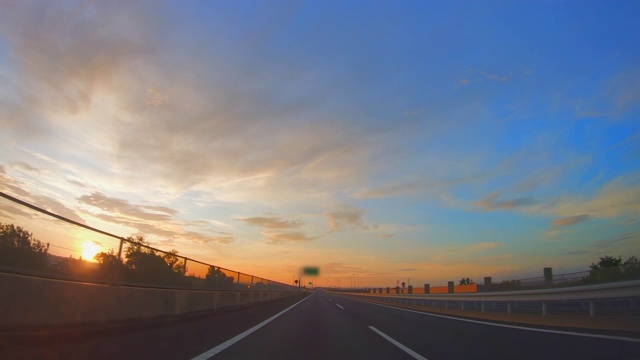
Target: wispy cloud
pixel 25 167
pixel 123 207
pixel 279 231
pixel 576 252
pixel 495 77
pixel 347 217
pixel 479 76
pixel 491 202
pixel 483 246
pixel 408 188
pixel 607 242
pixel 149 220
pixel 272 222
pixel 282 237
pixel 571 220
pixel 16 188
pixel 218 237
pixel 464 82
pixel 619 197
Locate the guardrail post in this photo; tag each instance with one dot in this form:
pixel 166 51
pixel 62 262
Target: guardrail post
pixel 461 305
pixel 509 309
pixel 482 306
pixel 544 309
pixel 592 308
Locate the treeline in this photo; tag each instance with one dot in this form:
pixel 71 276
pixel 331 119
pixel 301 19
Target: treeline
pixel 18 248
pixel 607 269
pixel 610 268
pixel 140 264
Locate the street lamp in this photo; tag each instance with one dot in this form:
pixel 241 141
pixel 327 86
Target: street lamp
pixel 357 278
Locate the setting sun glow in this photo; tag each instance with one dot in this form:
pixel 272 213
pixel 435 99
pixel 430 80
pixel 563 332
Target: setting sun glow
pixel 89 250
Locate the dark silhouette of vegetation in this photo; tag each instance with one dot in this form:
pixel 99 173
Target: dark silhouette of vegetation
pixel 18 248
pixel 74 268
pixel 143 264
pixel 610 268
pixel 140 264
pixel 631 267
pixel 465 281
pixel 217 279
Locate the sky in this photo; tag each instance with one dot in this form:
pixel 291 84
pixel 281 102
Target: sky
pixel 378 140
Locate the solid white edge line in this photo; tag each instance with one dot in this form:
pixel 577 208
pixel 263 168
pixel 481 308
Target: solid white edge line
pixel 212 352
pixel 338 305
pixel 414 354
pixel 610 337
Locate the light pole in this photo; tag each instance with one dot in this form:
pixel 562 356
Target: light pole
pixel 357 278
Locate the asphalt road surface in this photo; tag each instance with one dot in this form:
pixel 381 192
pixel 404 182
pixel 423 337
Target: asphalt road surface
pixel 328 326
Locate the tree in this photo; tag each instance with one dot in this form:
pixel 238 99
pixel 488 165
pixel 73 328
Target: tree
pixel 607 262
pixel 18 248
pixel 465 281
pixel 631 268
pixel 110 266
pixel 510 284
pixel 607 269
pixel 172 259
pixel 146 266
pixel 217 279
pixel 108 259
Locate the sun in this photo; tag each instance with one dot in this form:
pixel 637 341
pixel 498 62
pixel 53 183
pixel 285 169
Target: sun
pixel 89 250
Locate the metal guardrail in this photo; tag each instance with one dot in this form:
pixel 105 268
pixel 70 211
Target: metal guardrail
pixel 610 298
pixel 193 272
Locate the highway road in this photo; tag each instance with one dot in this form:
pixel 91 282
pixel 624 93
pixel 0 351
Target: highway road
pixel 329 326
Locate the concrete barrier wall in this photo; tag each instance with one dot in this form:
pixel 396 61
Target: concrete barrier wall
pixel 28 301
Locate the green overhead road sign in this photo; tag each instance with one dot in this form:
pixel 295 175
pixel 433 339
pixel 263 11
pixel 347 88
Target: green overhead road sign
pixel 311 271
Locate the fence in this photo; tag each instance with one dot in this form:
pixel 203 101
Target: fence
pixel 622 298
pixel 134 263
pixel 586 277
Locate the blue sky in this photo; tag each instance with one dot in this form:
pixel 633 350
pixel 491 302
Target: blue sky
pixel 384 140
